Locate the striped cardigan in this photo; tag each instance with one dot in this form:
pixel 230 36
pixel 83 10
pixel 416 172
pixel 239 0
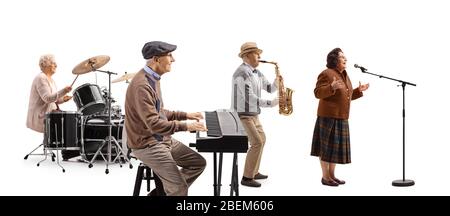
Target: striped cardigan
pixel 246 91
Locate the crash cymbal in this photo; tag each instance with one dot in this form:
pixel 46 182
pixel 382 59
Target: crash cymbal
pixel 125 77
pixel 91 64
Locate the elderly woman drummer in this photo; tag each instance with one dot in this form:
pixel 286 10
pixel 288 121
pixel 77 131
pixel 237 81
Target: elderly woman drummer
pixel 44 96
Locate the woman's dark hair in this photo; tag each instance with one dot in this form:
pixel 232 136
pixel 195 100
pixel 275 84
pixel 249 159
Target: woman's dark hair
pixel 332 58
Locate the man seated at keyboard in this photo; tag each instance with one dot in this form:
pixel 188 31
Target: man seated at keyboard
pixel 149 126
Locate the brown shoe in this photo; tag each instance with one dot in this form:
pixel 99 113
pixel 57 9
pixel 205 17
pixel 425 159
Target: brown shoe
pixel 260 176
pixel 329 183
pixel 338 181
pixel 250 183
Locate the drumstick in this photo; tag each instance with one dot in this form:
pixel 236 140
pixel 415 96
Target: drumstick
pixel 74 80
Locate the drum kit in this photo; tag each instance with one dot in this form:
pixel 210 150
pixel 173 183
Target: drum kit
pixel 97 125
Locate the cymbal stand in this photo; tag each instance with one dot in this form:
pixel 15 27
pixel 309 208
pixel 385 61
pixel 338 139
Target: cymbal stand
pixel 109 139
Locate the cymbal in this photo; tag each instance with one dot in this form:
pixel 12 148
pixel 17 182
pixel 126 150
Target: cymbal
pixel 91 64
pixel 125 77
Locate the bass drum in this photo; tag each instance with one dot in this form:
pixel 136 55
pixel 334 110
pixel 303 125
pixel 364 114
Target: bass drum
pixel 95 132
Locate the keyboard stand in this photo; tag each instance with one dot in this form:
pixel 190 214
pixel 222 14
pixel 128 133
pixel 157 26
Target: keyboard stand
pixel 225 135
pixel 234 186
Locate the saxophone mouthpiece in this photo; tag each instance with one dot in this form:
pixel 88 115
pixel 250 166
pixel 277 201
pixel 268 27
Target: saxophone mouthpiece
pixel 270 62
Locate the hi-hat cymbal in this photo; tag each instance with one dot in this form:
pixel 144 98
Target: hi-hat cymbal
pixel 91 64
pixel 125 77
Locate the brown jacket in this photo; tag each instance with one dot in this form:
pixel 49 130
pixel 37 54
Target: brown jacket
pixel 143 123
pixel 334 104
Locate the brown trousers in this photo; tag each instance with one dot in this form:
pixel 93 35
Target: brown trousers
pixel 257 139
pixel 164 159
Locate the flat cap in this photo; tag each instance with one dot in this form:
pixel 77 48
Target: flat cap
pixel 157 48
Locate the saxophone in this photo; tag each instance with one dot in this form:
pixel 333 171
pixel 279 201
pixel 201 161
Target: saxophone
pixel 284 95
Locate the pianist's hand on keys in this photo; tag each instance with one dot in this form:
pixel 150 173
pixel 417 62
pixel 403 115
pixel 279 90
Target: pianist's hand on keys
pixel 195 116
pixel 196 126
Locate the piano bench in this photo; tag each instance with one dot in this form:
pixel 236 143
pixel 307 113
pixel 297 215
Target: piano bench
pixel 145 173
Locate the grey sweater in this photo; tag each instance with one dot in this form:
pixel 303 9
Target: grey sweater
pixel 246 91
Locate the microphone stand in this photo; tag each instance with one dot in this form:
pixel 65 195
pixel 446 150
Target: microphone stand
pixel 401 182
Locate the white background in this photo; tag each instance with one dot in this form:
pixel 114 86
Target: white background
pixel 401 39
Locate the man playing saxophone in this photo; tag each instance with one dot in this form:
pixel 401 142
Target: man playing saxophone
pixel 247 84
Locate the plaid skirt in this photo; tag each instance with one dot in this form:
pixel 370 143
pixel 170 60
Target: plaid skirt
pixel 331 140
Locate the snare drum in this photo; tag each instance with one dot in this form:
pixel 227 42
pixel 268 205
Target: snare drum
pixel 89 99
pixel 61 130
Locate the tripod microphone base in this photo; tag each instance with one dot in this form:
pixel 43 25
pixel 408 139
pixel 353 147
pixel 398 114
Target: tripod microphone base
pixel 403 183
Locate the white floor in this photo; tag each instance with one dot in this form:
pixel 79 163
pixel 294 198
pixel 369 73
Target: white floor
pixel 297 34
pixel 292 172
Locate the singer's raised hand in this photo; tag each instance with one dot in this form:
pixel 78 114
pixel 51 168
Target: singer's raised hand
pixel 363 87
pixel 337 84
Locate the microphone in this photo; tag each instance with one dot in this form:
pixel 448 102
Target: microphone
pixel 363 69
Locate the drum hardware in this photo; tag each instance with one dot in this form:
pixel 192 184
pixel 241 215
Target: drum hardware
pixel 83 152
pixel 57 154
pixel 59 133
pixel 93 64
pixel 94 131
pixel 126 77
pixel 44 152
pixel 90 64
pixel 116 114
pixel 105 94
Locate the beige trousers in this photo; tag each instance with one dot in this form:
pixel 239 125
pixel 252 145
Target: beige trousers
pixel 164 159
pixel 257 139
